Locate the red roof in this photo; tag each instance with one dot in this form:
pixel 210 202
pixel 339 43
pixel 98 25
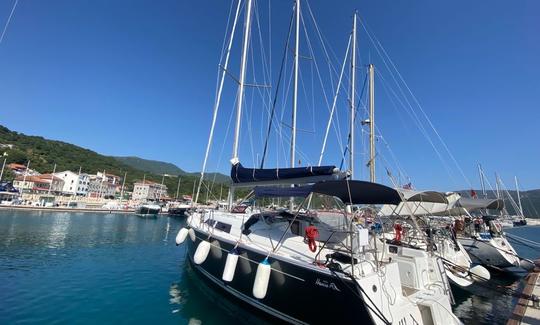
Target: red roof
pixel 16 166
pixel 45 178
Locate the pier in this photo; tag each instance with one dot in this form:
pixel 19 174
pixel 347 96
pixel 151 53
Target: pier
pixel 527 310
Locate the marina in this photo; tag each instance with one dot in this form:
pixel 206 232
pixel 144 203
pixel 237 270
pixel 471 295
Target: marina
pixel 86 268
pixel 331 184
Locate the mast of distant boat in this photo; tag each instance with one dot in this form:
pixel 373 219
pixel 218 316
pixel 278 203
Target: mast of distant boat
pixel 2 172
pixel 497 186
pixel 482 181
pixel 52 179
pixel 178 187
pixel 24 176
pixel 518 196
pixel 122 189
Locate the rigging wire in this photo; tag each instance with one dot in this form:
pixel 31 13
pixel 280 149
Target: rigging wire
pixel 8 21
pixel 272 113
pixel 378 46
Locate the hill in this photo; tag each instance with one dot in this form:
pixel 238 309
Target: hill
pixel 160 167
pixel 43 154
pixel 151 166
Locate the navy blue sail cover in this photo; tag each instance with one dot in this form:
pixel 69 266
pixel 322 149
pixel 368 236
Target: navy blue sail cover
pixel 274 191
pixel 239 174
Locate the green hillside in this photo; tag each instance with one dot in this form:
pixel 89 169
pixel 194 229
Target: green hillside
pixel 160 167
pixel 151 166
pixel 43 154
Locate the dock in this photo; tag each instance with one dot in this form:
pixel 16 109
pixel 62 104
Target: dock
pixel 527 311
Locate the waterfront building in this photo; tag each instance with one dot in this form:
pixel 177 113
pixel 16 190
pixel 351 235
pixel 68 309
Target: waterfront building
pixel 100 187
pixel 111 178
pixel 148 190
pixel 74 183
pixel 39 183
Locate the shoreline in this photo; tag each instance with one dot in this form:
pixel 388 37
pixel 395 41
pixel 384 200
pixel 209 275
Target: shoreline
pixel 62 209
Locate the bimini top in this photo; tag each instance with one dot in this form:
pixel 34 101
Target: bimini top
pixel 298 175
pixel 474 204
pixel 358 192
pixel 423 196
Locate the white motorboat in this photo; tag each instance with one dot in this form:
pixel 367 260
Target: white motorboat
pixel 148 210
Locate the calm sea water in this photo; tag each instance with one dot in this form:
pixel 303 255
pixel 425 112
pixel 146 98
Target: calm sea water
pixel 118 268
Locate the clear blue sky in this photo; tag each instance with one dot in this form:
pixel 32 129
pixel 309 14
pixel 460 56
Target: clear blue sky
pixel 134 77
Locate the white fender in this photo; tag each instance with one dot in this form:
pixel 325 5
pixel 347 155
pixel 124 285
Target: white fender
pixel 182 234
pixel 201 253
pixel 192 234
pixel 480 272
pixel 260 286
pixel 230 265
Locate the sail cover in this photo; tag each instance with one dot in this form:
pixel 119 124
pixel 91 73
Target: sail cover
pixel 358 192
pixel 274 191
pixel 239 174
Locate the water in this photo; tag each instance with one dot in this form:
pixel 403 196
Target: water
pixel 102 268
pixel 484 306
pixel 119 268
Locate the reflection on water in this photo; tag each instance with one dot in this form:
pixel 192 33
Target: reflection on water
pixel 117 268
pixel 102 268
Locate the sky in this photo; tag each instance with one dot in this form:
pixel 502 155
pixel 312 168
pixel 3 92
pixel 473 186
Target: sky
pixel 138 78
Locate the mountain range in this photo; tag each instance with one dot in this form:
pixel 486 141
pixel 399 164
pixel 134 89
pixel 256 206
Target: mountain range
pixel 45 154
pixel 161 167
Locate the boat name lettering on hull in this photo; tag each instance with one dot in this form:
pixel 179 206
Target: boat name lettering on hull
pixel 327 284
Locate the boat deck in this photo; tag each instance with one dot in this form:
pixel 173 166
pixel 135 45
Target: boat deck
pixel 525 312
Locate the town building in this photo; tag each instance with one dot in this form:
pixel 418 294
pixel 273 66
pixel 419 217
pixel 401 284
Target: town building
pixel 39 183
pixel 113 179
pixel 148 190
pixel 20 169
pixel 74 183
pixel 100 187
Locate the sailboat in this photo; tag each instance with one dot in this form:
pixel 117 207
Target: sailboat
pixel 437 234
pixel 312 262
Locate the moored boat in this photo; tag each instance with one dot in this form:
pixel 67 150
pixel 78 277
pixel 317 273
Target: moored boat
pixel 148 210
pixel 337 269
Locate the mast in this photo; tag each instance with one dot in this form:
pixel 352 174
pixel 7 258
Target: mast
pixel 481 172
pixel 241 85
pixel 371 123
pixel 218 101
pixel 295 92
pixel 52 178
pixel 178 187
pixel 24 177
pixel 353 99
pixel 241 82
pixel 518 196
pixel 101 185
pixel 122 189
pixel 497 187
pixel 161 187
pixel 2 172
